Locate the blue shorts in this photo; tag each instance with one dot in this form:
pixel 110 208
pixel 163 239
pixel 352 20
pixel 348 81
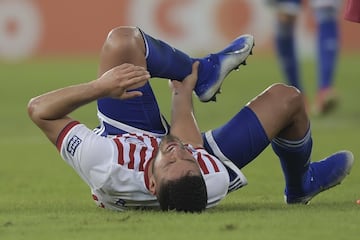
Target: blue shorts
pixel 141 113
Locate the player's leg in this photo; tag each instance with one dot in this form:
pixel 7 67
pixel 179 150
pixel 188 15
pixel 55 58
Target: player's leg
pixel 278 116
pixel 289 128
pixel 126 45
pixel 285 40
pixel 165 61
pixel 250 131
pixel 326 14
pixel 129 44
pixel 282 113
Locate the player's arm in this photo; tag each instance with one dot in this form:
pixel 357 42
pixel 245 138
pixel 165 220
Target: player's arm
pixel 50 111
pixel 183 122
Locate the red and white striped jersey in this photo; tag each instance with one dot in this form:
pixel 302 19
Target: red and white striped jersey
pixel 115 168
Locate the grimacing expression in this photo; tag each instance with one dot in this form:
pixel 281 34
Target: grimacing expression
pixel 173 160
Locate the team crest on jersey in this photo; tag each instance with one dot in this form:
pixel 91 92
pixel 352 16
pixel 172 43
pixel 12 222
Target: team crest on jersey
pixel 73 144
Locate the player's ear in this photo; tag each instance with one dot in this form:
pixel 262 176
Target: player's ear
pixel 152 185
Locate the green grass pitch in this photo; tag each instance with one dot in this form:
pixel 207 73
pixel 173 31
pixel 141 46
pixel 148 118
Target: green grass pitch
pixel 43 198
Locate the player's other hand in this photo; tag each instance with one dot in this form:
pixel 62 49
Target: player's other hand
pixel 188 84
pixel 120 81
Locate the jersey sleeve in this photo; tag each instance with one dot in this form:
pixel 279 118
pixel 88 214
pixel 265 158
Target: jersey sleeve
pixel 89 154
pixel 217 187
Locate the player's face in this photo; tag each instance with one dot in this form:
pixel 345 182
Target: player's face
pixel 173 160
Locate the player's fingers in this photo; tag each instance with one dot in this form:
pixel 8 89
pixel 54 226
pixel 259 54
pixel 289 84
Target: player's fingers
pixel 136 81
pixel 129 71
pixel 192 78
pixel 194 73
pixel 138 72
pixel 132 73
pixel 195 67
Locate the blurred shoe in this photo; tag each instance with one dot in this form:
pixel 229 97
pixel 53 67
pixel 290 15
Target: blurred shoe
pixel 326 101
pixel 219 65
pixel 321 176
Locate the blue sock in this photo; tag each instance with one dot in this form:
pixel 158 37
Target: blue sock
pixel 328 46
pixel 227 138
pixel 286 51
pixel 165 61
pixel 294 158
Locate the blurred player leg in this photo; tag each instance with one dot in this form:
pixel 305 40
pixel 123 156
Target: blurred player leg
pixel 285 41
pixel 326 13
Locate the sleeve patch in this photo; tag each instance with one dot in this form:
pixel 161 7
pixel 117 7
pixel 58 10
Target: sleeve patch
pixel 73 144
pixel 63 133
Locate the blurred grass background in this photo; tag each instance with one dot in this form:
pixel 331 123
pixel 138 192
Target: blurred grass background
pixel 42 198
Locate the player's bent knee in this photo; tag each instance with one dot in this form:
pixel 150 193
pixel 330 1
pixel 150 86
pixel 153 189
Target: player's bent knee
pixel 122 38
pixel 290 96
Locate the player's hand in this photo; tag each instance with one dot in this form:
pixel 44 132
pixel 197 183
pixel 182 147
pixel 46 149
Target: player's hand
pixel 120 81
pixel 188 84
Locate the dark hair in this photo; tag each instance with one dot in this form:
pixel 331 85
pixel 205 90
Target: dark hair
pixel 186 194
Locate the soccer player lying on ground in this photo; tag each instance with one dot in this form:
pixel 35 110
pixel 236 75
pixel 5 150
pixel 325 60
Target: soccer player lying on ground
pixel 136 159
